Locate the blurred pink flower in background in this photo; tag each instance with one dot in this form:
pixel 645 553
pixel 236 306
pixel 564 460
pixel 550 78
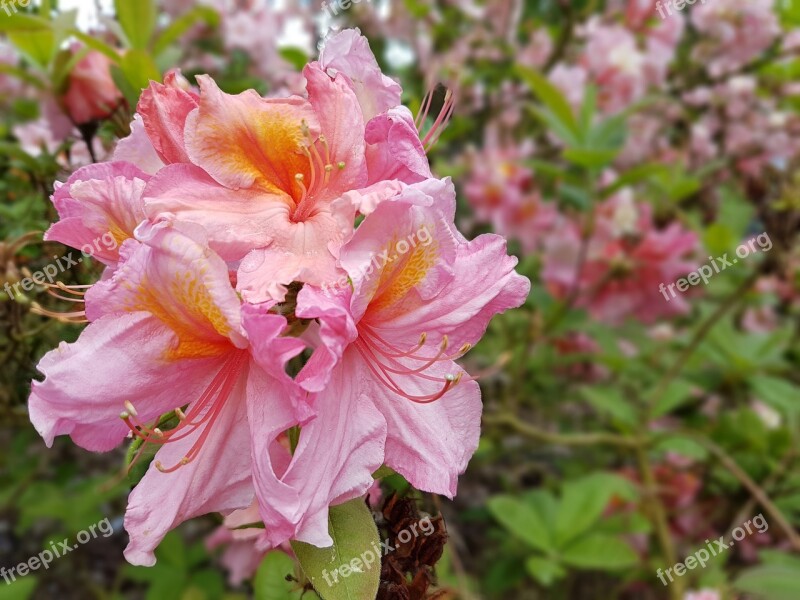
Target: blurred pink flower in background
pixel 91 93
pixel 502 191
pixel 733 32
pixel 626 259
pixel 705 594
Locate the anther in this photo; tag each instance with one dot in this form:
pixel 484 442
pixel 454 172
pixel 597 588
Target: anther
pixel 130 408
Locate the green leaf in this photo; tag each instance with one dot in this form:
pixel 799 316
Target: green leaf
pixel 271 579
pixel 523 521
pixel 677 393
pixel 582 503
pixel 771 582
pixel 588 109
pixel 544 570
pixel 591 158
pixel 182 24
pixel 294 56
pixel 22 22
pixel 37 45
pixel 610 402
pixel 351 568
pixel 634 176
pixel 782 395
pixel 21 589
pixel 139 70
pixel 550 96
pixel 98 45
pixel 683 445
pixel 599 551
pixel 138 21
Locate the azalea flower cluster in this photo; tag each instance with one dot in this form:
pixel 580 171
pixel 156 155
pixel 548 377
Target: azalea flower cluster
pixel 233 215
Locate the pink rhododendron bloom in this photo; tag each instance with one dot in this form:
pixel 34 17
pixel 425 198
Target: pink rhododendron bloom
pixel 219 206
pixel 276 182
pixel 502 191
pixel 733 32
pixel 383 379
pixel 91 92
pixel 626 261
pixel 171 300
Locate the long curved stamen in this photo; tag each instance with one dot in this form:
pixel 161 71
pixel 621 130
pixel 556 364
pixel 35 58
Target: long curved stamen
pixel 77 317
pixel 441 121
pixel 382 360
pixel 313 168
pixel 200 417
pixel 423 110
pixel 387 381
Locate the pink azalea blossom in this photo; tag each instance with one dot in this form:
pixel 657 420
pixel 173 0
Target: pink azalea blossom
pixel 733 33
pixel 228 201
pixel 383 380
pixel 171 299
pixel 626 260
pixel 502 191
pixel 276 182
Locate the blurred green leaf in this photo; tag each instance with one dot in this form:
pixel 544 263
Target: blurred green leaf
pixel 271 579
pixel 600 551
pixel 771 582
pixel 138 21
pixel 583 502
pixel 182 24
pixel 550 96
pixel 544 570
pixel 609 401
pixel 21 589
pixel 523 521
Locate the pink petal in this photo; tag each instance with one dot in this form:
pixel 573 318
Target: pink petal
pixel 176 278
pixel 84 402
pixel 100 205
pixel 236 221
pixel 343 127
pixel 395 150
pixel 298 251
pixel 428 444
pixel 348 53
pixel 337 453
pixel 217 480
pixel 164 110
pixel 248 141
pixel 137 149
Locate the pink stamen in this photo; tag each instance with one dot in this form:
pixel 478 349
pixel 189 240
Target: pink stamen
pixel 203 413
